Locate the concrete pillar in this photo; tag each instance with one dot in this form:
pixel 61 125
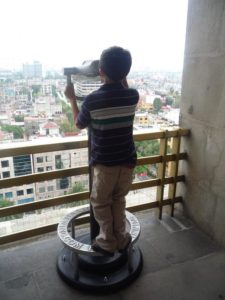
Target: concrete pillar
pixel 203 111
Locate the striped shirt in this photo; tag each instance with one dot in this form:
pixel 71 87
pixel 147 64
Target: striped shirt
pixel 109 113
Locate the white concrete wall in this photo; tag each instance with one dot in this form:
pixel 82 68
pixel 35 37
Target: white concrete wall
pixel 203 111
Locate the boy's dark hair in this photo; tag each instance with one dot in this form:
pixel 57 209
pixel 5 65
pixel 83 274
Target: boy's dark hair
pixel 115 62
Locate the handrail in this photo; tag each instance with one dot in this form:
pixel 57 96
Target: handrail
pixel 34 147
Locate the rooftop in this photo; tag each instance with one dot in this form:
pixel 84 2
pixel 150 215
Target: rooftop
pixel 49 125
pixel 180 262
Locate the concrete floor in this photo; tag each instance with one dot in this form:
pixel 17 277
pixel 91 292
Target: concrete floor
pixel 180 262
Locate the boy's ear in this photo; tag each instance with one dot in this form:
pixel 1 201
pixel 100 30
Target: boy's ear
pixel 101 72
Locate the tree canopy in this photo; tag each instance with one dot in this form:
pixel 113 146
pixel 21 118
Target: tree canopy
pixel 146 148
pixel 36 89
pixel 68 125
pixel 6 203
pixel 157 104
pixel 16 130
pixel 78 187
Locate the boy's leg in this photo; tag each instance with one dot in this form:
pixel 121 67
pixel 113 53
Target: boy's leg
pixel 104 180
pixel 119 204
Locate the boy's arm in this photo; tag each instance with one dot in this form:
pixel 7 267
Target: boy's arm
pixel 70 94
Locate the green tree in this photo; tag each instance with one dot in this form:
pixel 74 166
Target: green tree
pixel 36 89
pixel 19 118
pixel 171 90
pixel 146 148
pixel 24 91
pixel 176 102
pixel 6 203
pixel 66 108
pixel 16 130
pixel 66 126
pixel 169 100
pixel 54 93
pixel 78 187
pixel 157 104
pixel 141 169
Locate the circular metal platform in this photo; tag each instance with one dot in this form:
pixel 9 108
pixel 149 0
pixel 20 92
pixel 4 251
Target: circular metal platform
pixel 86 269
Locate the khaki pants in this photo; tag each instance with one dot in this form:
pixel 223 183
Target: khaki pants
pixel 109 188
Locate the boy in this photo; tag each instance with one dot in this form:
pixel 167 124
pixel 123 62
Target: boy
pixel 109 113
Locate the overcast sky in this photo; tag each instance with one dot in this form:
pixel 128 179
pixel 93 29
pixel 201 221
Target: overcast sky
pixel 62 33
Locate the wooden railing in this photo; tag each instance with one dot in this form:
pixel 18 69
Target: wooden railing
pixel 161 160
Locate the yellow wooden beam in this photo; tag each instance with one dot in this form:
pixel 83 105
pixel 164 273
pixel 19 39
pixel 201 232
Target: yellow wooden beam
pixel 16 149
pixel 161 170
pixel 173 170
pixel 41 204
pixel 38 177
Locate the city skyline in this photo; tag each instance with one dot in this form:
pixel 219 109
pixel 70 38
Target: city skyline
pixel 65 33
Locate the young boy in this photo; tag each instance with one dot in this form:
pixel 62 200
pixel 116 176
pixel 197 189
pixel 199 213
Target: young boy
pixel 109 113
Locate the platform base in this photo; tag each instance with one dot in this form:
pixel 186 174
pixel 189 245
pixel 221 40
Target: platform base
pixel 99 273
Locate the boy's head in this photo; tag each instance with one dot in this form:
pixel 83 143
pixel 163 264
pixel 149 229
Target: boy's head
pixel 115 63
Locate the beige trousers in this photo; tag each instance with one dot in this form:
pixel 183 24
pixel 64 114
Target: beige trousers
pixel 109 188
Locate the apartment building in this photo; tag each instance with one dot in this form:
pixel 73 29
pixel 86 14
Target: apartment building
pixel 13 167
pixel 32 124
pixel 33 70
pixel 47 88
pixel 143 119
pixel 47 106
pixel 44 162
pixel 41 163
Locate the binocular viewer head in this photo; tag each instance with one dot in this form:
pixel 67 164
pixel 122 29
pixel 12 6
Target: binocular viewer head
pixel 89 68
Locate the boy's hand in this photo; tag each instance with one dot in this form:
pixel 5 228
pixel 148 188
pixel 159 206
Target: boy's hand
pixel 70 92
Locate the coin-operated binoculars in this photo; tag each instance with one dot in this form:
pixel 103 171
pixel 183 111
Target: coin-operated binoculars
pixel 89 68
pixel 78 264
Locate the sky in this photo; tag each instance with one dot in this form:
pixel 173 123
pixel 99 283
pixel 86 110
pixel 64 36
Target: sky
pixel 64 33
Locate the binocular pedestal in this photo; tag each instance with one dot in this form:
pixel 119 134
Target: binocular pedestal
pixel 86 269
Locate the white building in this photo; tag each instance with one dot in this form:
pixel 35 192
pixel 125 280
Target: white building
pixel 47 106
pixel 13 167
pixel 5 119
pixel 42 163
pixel 46 89
pixel 6 137
pixel 173 115
pixel 143 119
pixel 83 88
pixel 49 129
pixel 33 70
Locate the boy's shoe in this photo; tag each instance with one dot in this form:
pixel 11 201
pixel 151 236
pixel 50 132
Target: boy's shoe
pixel 127 246
pixel 104 252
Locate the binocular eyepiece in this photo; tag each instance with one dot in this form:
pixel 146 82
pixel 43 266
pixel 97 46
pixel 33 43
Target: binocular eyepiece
pixel 89 68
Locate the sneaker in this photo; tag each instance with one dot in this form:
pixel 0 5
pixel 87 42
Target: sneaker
pixel 104 252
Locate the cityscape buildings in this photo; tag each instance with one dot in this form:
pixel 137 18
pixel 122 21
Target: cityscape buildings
pixel 33 107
